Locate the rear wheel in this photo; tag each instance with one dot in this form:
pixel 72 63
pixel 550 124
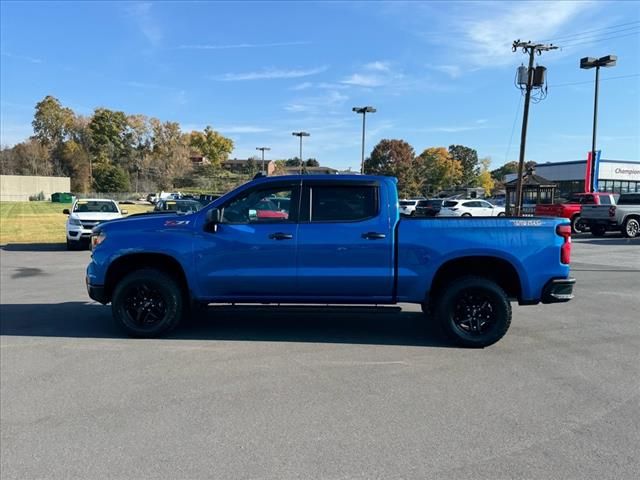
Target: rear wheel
pixel 474 312
pixel 598 230
pixel 631 227
pixel 578 225
pixel 147 303
pixel 465 215
pixel 502 214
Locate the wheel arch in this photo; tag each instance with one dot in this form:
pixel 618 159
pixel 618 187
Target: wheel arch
pixel 497 269
pixel 126 264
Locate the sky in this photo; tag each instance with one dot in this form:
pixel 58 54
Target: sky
pixel 438 73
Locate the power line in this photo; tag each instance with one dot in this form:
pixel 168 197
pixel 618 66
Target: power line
pixel 598 39
pixel 513 128
pixel 579 37
pixel 592 81
pixel 594 30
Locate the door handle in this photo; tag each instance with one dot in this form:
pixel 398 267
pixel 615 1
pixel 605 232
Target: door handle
pixel 281 236
pixel 373 236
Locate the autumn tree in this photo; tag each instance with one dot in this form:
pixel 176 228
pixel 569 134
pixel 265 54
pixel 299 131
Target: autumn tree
pixel 395 158
pixel 215 147
pixel 51 122
pixel 468 159
pixel 485 180
pixel 170 152
pixel 437 170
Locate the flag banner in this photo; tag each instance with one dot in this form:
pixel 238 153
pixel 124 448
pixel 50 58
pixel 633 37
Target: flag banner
pixel 596 171
pixel 587 174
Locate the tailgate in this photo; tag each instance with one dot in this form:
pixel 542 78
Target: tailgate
pixel 595 212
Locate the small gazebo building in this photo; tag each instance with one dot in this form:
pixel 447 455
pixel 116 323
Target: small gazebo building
pixel 536 190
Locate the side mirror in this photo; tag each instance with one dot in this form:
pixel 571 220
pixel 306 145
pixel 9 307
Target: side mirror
pixel 124 212
pixel 66 211
pixel 213 218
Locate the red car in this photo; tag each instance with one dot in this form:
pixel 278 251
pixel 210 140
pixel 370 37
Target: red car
pixel 571 208
pixel 269 210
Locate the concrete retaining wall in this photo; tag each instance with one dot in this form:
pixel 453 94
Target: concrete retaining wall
pixel 18 188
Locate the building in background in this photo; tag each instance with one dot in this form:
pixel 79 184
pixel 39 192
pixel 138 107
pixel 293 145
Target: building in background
pixel 18 188
pixel 615 176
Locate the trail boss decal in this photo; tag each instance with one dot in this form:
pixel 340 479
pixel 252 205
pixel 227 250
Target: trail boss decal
pixel 526 223
pixel 176 223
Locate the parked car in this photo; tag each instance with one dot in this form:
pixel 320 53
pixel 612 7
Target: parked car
pixel 623 217
pixel 345 244
pixel 571 208
pixel 408 207
pixel 86 214
pixel 152 198
pixel 178 206
pixel 470 208
pixel 429 208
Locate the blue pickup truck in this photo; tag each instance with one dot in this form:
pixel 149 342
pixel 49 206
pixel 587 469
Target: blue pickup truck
pixel 328 240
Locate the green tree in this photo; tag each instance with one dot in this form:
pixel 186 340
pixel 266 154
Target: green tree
pixel 108 129
pixel 51 122
pixel 110 178
pixel 170 153
pixel 395 158
pixel 437 170
pixel 468 159
pixel 215 147
pixel 312 162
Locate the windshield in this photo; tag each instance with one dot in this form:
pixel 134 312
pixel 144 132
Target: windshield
pixel 581 199
pixel 105 206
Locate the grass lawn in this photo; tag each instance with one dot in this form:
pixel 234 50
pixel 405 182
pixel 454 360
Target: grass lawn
pixel 39 222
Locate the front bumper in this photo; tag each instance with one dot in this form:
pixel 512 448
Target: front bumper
pixel 558 290
pixel 97 293
pixel 77 233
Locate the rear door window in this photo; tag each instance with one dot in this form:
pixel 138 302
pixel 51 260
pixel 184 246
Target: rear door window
pixel 449 203
pixel 629 199
pixel 343 203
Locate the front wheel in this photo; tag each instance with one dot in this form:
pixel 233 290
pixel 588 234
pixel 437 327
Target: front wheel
pixel 502 214
pixel 147 303
pixel 631 228
pixel 474 312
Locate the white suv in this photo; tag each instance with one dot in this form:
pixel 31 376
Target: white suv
pixel 86 214
pixel 470 208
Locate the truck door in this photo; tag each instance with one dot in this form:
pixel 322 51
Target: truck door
pixel 345 242
pixel 252 253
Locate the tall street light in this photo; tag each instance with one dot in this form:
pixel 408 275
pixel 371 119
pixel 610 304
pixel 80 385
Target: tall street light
pixel 587 63
pixel 363 111
pixel 262 149
pixel 300 134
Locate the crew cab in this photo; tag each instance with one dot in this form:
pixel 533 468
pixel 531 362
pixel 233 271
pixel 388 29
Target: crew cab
pixel 571 208
pixel 623 217
pixel 342 242
pixel 85 214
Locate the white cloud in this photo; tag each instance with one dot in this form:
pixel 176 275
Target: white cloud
pixel 268 74
pixel 140 12
pixel 488 40
pixel 377 66
pixel 229 129
pixel 364 80
pixel 302 86
pixel 453 71
pixel 317 104
pixel 241 45
pixel 21 57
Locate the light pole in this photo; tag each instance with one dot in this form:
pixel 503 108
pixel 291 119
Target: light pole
pixel 363 111
pixel 587 63
pixel 262 149
pixel 300 134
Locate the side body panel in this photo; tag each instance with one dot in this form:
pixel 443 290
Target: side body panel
pixel 529 244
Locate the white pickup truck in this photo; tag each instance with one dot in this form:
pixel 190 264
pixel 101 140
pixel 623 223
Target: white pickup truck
pixel 85 214
pixel 623 217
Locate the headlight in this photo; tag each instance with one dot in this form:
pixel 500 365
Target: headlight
pixel 97 237
pixel 75 221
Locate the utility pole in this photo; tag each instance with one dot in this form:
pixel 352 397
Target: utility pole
pixel 300 134
pixel 262 149
pixel 363 111
pixel 530 49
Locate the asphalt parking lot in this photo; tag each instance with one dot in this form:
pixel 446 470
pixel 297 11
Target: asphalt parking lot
pixel 306 393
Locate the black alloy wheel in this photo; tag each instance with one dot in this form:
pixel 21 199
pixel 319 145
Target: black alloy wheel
pixel 147 303
pixel 474 311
